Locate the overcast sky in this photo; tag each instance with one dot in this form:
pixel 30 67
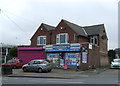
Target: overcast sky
pixel 19 19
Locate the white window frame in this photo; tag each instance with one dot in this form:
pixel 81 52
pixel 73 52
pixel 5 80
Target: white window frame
pixel 93 38
pixel 38 40
pixel 58 38
pixel 74 37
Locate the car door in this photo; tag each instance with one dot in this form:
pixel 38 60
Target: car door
pixel 29 66
pixel 20 62
pixel 35 66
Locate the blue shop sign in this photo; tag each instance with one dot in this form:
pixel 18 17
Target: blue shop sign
pixel 62 47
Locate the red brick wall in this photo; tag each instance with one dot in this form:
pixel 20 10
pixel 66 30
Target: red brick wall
pixel 103 49
pixel 39 32
pixel 52 39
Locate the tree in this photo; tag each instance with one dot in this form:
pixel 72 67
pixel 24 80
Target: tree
pixel 117 51
pixel 13 52
pixel 111 55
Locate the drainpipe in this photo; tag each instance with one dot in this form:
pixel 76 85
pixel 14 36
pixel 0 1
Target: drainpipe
pixel 50 37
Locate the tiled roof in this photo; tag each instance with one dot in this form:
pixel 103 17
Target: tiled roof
pixel 48 27
pixel 87 30
pixel 78 29
pixel 93 30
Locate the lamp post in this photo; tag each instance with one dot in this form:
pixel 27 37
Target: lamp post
pixel 6 54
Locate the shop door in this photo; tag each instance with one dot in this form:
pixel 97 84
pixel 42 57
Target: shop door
pixel 61 59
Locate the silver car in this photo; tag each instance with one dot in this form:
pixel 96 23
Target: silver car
pixel 115 63
pixel 37 65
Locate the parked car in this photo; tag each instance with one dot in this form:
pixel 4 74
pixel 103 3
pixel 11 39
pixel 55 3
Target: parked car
pixel 16 63
pixel 38 65
pixel 115 63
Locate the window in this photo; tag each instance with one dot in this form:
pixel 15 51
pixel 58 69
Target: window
pixel 41 28
pixel 36 62
pixel 94 40
pixel 61 28
pixel 41 40
pixel 62 38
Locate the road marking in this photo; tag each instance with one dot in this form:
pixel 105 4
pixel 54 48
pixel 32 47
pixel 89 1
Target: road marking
pixel 75 82
pixel 84 75
pixel 63 82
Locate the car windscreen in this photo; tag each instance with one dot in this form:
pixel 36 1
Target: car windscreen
pixel 116 60
pixel 11 61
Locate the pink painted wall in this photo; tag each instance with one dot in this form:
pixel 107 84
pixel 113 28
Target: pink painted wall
pixel 28 54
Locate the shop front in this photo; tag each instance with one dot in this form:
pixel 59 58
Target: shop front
pixel 62 54
pixel 26 54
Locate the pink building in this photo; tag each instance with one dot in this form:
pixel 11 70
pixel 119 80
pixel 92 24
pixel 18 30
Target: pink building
pixel 26 54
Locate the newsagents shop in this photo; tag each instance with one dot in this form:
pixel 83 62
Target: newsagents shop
pixel 61 54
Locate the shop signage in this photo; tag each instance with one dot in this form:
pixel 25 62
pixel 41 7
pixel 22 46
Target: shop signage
pixel 84 57
pixel 90 46
pixel 63 47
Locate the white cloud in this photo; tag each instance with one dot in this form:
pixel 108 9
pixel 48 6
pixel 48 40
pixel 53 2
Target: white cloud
pixel 28 14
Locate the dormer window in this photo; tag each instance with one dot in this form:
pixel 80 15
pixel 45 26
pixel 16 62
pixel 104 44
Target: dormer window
pixel 62 38
pixel 41 40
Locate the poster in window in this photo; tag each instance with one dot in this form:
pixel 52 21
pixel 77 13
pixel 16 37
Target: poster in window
pixel 72 58
pixel 84 57
pixel 53 58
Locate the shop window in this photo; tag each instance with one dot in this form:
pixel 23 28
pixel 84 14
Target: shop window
pixel 41 40
pixel 62 38
pixel 72 58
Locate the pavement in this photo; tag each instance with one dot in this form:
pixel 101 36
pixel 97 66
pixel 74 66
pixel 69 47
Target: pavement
pixel 56 73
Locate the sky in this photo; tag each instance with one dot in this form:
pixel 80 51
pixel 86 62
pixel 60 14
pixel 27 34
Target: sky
pixel 19 19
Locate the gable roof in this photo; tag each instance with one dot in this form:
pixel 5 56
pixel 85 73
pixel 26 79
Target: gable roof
pixel 86 30
pixel 78 29
pixel 93 30
pixel 48 27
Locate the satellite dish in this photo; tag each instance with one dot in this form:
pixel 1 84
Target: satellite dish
pixel 104 37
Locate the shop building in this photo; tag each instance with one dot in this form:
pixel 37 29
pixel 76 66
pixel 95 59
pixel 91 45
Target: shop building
pixel 69 43
pixel 35 51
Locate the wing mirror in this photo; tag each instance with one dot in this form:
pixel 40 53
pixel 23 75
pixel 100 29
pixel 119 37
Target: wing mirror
pixel 28 63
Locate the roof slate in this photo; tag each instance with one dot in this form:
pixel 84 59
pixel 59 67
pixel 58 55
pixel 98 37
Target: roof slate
pixel 86 30
pixel 48 27
pixel 93 30
pixel 78 29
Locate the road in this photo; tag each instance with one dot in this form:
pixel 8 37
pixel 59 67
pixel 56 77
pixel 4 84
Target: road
pixel 107 77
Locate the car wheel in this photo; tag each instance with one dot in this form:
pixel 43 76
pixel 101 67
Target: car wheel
pixel 50 70
pixel 40 70
pixel 24 69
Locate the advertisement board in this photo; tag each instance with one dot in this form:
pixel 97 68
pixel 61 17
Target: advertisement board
pixel 53 58
pixel 84 57
pixel 72 58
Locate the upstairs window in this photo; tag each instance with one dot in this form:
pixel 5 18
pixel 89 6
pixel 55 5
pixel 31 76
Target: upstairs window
pixel 62 38
pixel 94 40
pixel 41 40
